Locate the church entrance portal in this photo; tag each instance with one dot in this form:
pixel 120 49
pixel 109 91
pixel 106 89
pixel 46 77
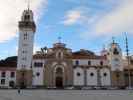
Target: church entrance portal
pixel 59 78
pixel 59 82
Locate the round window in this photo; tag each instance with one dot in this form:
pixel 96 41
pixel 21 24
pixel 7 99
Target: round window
pixel 91 74
pixel 105 74
pixel 78 74
pixel 37 74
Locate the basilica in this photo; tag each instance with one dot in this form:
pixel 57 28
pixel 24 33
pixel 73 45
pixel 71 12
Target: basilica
pixel 60 66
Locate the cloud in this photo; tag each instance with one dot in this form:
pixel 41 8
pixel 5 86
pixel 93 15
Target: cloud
pixel 74 16
pixel 102 18
pixel 10 14
pixel 88 13
pixel 36 48
pixel 116 21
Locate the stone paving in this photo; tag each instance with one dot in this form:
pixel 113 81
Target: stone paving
pixel 66 95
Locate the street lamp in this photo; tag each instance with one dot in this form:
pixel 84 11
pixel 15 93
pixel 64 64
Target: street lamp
pixel 99 77
pixel 128 63
pixel 44 51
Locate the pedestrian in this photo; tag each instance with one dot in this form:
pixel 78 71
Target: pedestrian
pixel 18 90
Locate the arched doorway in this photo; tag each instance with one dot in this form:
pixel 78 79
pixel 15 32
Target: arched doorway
pixel 59 82
pixel 12 84
pixel 59 77
pixel 22 85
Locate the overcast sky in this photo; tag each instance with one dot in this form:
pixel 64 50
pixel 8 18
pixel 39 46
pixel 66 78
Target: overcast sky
pixel 82 24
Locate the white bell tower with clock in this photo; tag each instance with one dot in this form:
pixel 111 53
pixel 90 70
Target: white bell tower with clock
pixel 116 64
pixel 27 29
pixel 115 57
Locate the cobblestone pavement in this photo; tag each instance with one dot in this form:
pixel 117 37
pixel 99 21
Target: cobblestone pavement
pixel 66 95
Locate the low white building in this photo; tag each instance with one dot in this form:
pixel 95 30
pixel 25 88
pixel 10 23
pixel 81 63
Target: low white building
pixel 38 72
pixel 7 77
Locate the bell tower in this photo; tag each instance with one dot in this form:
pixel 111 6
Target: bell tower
pixel 27 29
pixel 116 64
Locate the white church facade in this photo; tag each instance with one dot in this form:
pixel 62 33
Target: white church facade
pixel 60 67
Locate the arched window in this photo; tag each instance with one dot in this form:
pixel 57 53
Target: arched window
pixel 25 36
pixel 77 62
pixel 12 74
pixel 59 70
pixel 27 17
pixel 2 81
pixel 3 74
pixel 101 63
pixel 59 55
pixel 89 62
pixel 38 64
pixel 115 52
pixel 12 84
pixel 23 74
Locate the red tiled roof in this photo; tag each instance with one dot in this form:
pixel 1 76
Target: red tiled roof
pixel 82 54
pixel 7 69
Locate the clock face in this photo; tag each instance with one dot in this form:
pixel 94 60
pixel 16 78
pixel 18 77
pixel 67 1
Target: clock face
pixel 116 63
pixel 115 52
pixel 117 66
pixel 116 60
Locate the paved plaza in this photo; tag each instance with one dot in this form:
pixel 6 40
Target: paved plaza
pixel 66 95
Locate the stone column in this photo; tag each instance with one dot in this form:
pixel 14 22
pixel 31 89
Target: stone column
pixel 85 76
pixel 25 77
pixel 98 77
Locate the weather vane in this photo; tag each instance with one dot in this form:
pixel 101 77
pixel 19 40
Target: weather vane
pixel 59 39
pixel 126 41
pixel 28 4
pixel 113 39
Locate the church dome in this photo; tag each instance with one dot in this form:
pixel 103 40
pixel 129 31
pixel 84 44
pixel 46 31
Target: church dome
pixel 59 45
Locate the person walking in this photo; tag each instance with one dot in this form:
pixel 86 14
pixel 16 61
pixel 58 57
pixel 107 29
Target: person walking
pixel 18 90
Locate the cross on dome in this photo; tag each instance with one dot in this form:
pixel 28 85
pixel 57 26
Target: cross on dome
pixel 59 39
pixel 28 4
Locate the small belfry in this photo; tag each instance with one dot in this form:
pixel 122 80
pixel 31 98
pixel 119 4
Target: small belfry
pixel 27 29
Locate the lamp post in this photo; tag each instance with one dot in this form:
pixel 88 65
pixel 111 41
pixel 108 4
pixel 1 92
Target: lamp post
pixel 99 77
pixel 44 51
pixel 128 62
